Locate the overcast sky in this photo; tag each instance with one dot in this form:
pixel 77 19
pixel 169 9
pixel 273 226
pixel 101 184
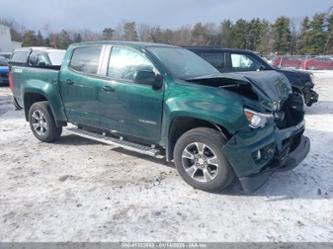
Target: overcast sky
pixel 98 14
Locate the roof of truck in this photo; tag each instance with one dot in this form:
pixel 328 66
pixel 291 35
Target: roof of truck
pixel 126 43
pixel 207 48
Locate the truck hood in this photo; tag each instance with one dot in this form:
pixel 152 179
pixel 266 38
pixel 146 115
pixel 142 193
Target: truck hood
pixel 297 77
pixel 269 87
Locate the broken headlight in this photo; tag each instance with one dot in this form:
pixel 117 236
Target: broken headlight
pixel 257 119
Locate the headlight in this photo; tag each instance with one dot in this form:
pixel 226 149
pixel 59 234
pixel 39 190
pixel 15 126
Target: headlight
pixel 273 105
pixel 256 119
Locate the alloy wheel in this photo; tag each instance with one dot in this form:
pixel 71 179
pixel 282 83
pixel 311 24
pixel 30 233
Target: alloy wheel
pixel 200 162
pixel 39 123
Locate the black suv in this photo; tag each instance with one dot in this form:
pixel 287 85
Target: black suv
pixel 238 60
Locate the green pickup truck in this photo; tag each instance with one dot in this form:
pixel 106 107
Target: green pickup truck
pixel 167 102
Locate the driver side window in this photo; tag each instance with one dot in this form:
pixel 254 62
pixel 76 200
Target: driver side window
pixel 125 63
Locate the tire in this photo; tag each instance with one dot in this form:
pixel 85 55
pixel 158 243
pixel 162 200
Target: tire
pixel 42 123
pixel 191 168
pixel 16 104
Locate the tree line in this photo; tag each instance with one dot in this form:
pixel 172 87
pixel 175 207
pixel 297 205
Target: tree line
pixel 314 36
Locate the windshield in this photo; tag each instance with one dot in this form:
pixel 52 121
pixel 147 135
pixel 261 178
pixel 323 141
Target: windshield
pixel 182 63
pixel 56 57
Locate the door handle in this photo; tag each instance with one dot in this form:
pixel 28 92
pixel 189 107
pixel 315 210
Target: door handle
pixel 108 89
pixel 69 82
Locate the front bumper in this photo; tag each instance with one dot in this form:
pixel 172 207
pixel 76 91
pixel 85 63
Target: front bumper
pixel 310 96
pixel 279 150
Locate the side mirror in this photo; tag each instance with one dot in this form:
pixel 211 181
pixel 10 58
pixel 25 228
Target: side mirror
pixel 148 77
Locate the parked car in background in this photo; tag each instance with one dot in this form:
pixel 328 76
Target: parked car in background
pixel 3 71
pixel 165 101
pixel 318 63
pixel 237 60
pixel 40 57
pixel 287 62
pixel 7 55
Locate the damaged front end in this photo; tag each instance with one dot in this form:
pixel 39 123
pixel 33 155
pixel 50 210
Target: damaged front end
pixel 272 139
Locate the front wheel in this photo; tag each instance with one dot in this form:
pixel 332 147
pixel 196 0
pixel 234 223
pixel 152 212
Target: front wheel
pixel 42 122
pixel 200 162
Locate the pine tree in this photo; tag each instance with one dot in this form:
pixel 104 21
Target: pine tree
pixel 281 35
pixel 200 34
pixel 40 39
pixel 314 38
pixel 225 34
pixel 239 34
pixel 108 33
pixel 29 39
pixel 264 44
pixel 63 40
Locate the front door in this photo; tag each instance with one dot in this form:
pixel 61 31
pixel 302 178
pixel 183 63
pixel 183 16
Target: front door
pixel 80 86
pixel 127 106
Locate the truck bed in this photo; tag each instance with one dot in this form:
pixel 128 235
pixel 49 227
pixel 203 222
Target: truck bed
pixel 25 77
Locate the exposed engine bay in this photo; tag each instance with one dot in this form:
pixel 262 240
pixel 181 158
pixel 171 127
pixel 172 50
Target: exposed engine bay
pixel 270 88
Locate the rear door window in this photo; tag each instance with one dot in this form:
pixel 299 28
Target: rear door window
pixel 86 59
pixel 214 58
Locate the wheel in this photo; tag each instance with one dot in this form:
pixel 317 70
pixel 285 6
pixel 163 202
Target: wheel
pixel 200 162
pixel 42 122
pixel 16 104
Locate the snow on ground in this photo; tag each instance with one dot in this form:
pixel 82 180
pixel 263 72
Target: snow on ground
pixel 80 190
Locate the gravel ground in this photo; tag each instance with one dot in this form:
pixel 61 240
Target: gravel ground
pixel 80 190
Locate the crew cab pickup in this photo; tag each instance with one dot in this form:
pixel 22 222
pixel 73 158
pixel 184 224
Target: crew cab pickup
pixel 166 101
pixel 239 60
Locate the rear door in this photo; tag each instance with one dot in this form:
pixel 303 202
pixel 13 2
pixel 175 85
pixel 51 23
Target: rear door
pixel 80 85
pixel 126 106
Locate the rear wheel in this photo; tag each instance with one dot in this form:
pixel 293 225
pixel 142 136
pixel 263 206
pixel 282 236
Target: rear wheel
pixel 200 162
pixel 42 122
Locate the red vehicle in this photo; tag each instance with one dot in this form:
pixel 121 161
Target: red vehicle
pixel 287 61
pixel 318 63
